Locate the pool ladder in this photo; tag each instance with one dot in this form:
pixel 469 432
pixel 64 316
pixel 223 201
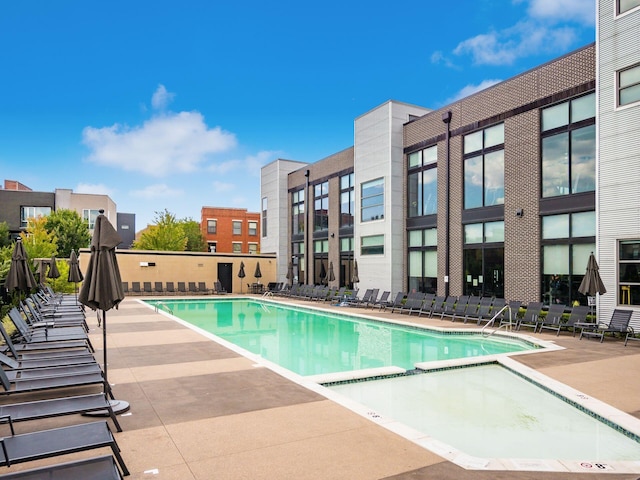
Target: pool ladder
pixel 508 326
pixel 162 306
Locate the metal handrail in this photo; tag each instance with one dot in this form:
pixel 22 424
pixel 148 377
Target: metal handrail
pixel 493 319
pixel 164 307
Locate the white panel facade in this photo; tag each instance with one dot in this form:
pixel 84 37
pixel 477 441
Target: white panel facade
pixel 618 204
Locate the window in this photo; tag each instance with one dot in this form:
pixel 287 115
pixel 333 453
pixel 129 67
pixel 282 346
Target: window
pixel 484 259
pixel 236 247
pixel 297 258
pixel 569 147
pixel 372 200
pixel 423 182
pixel 212 226
pixel 567 241
pixel 629 86
pixel 253 248
pixel 423 260
pixel 212 247
pixel 237 227
pixel 346 200
pixel 629 272
pixel 33 212
pixel 90 217
pixel 484 167
pixel 321 206
pixel 297 212
pixel 626 5
pixel 253 228
pixel 372 245
pixel 264 217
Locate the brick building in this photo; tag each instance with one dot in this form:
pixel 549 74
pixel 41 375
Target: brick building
pixel 231 230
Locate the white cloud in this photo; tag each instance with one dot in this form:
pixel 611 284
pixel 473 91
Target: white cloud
pixel 176 142
pixel 222 187
pixel 523 39
pixel 161 98
pixel 94 188
pixel 159 190
pixel 250 165
pixel 471 89
pixel 580 11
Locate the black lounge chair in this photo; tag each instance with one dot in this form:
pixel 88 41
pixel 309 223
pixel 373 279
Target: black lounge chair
pixel 171 289
pixel 37 319
pixel 619 323
pixel 102 468
pixel 27 447
pixel 366 297
pixel 46 336
pixel 578 315
pixel 414 302
pixel 448 306
pixel 135 288
pixel 59 349
pixel 483 312
pixel 146 288
pixel 125 287
pixel 182 288
pixel 218 288
pixel 35 363
pixel 202 288
pixel 398 302
pixel 530 317
pixel 459 309
pixel 158 290
pixel 384 298
pixel 431 306
pixel 511 315
pixel 57 407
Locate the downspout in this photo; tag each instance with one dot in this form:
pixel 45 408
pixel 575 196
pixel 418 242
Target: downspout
pixel 446 118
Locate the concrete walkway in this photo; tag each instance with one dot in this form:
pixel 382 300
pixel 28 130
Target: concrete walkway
pixel 200 411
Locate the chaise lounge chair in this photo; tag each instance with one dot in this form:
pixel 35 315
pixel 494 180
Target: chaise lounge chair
pixel 103 468
pixel 619 323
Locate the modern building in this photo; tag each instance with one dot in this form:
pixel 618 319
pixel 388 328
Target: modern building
pixel 493 194
pixel 618 153
pixel 230 230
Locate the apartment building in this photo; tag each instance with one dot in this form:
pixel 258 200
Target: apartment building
pixel 230 230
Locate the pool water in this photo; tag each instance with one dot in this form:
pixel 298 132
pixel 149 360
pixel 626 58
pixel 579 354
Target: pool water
pixel 489 411
pixel 309 342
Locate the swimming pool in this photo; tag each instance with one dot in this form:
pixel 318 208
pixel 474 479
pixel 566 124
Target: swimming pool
pixel 311 342
pixel 312 346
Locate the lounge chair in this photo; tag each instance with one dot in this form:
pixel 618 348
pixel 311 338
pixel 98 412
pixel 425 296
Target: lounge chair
pixel 202 288
pixel 429 308
pixel 384 298
pixel 47 335
pixel 398 302
pixel 42 350
pixel 553 317
pixel 171 289
pixel 619 323
pixel 511 315
pixel 147 289
pixel 192 287
pixel 459 309
pixel 530 317
pixel 483 312
pixel 366 297
pixel 441 304
pixel 125 287
pixel 448 306
pixel 182 288
pixel 36 319
pixel 103 468
pixel 27 447
pixel 34 363
pixel 135 288
pixel 40 384
pixel 374 298
pixel 218 288
pixel 414 302
pixel 158 290
pixel 578 315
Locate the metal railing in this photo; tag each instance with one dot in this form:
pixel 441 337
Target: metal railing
pixel 493 320
pixel 162 306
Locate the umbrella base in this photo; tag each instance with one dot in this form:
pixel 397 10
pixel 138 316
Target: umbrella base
pixel 118 407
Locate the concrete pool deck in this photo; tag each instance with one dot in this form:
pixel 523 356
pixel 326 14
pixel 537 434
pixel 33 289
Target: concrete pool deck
pixel 201 411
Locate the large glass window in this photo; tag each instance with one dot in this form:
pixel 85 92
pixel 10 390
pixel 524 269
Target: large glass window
pixel 629 85
pixel 422 184
pixel 264 217
pixel 569 147
pixel 297 212
pixel 89 216
pixel 372 200
pixel 484 167
pixel 626 5
pixel 237 227
pixel 372 245
pixel 347 203
pixel 297 259
pixel 321 206
pixel 567 241
pixel 346 262
pixel 484 259
pixel 212 226
pixel 35 212
pixel 423 260
pixel 629 272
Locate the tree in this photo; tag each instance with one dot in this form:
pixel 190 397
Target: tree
pixel 166 234
pixel 38 242
pixel 5 238
pixel 195 240
pixel 71 230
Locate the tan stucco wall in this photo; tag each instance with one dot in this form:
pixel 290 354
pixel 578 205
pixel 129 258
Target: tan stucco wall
pixel 187 267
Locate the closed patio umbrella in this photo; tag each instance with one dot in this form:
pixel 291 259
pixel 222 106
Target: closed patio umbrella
pixel 102 287
pixel 20 276
pixel 592 284
pixel 332 276
pixel 258 273
pixel 241 275
pixel 290 272
pixel 323 273
pixel 355 278
pixel 75 275
pixel 53 269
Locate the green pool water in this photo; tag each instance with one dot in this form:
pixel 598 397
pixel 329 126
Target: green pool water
pixel 309 342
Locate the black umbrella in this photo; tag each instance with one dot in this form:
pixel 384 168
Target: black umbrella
pixel 75 275
pixel 355 278
pixel 290 272
pixel 592 283
pixel 53 269
pixel 332 276
pixel 258 273
pixel 20 276
pixel 323 272
pixel 241 275
pixel 102 287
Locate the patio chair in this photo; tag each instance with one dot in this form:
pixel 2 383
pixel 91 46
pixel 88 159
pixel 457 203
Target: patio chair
pixel 483 312
pixel 42 350
pixel 135 288
pixel 182 288
pixel 46 335
pixel 202 288
pixel 397 302
pixel 459 308
pixel 530 317
pixel 619 323
pixel 158 290
pixel 553 317
pixel 578 315
pixel 171 289
pixel 355 301
pixel 448 306
pixel 27 447
pixel 441 305
pixel 429 308
pixel 414 302
pixel 35 319
pixel 384 298
pixel 373 299
pixel 514 311
pixel 35 363
pixel 147 289
pixel 192 287
pixel 103 468
pixel 218 288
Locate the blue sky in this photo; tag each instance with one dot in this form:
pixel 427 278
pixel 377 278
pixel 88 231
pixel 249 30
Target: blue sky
pixel 165 104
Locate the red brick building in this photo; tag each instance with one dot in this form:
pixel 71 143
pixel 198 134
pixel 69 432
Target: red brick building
pixel 231 230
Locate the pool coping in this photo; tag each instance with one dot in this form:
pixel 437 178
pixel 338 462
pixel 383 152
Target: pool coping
pixel 314 383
